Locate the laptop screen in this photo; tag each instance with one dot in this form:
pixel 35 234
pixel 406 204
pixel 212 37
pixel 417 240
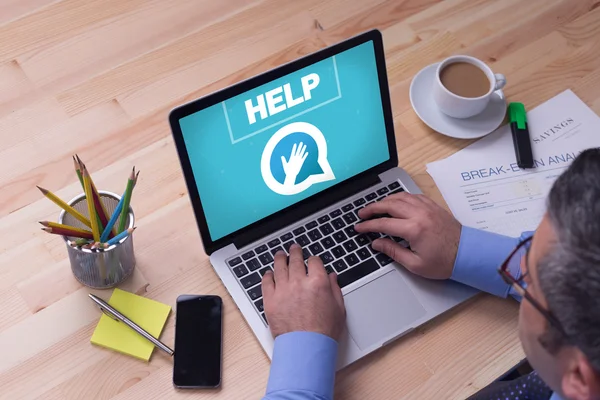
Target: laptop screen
pixel 266 149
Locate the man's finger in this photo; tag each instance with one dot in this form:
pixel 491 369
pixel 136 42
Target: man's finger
pixel 389 226
pixel 316 268
pixel 296 263
pixel 400 254
pixel 268 285
pixel 397 209
pixel 335 288
pixel 281 268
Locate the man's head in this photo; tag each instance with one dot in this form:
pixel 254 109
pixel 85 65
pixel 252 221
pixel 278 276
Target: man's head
pixel 563 266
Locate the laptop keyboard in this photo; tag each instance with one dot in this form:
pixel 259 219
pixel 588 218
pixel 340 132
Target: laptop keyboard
pixel 331 237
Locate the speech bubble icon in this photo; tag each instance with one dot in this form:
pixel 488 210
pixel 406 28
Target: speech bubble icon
pixel 289 186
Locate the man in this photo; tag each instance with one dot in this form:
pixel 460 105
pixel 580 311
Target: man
pixel 559 276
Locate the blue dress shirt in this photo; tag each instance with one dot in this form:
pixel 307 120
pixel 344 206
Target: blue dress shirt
pixel 303 366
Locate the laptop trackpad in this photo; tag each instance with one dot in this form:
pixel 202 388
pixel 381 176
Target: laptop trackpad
pixel 381 309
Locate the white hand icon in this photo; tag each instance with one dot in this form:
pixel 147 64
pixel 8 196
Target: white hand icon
pixel 293 166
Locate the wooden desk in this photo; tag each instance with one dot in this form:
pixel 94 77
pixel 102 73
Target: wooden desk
pixel 98 77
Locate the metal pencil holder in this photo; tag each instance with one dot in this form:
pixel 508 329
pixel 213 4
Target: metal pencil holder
pixel 102 268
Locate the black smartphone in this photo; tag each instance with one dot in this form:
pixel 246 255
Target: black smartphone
pixel 198 342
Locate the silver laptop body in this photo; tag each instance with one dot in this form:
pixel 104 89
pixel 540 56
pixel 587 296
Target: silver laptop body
pixel 383 300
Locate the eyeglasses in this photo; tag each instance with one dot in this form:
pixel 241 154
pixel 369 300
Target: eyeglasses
pixel 519 285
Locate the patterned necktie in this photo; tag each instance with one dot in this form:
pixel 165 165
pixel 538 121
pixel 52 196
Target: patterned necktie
pixel 528 387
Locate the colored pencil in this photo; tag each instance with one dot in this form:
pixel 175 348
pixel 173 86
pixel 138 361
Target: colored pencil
pixel 112 220
pixel 98 204
pixel 99 208
pixel 67 232
pixel 77 163
pixel 127 196
pixel 90 202
pixel 79 216
pixel 116 213
pixel 79 242
pixel 78 171
pixel 120 236
pixel 50 224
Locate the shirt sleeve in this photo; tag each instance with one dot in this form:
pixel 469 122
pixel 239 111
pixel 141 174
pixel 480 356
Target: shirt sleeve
pixel 479 256
pixel 303 367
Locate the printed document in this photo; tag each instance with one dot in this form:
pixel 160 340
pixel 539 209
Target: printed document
pixel 485 188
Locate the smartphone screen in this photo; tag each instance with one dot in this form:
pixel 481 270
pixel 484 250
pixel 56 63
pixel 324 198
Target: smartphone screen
pixel 197 356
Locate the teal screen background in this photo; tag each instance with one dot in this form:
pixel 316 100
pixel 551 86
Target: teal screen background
pixel 225 150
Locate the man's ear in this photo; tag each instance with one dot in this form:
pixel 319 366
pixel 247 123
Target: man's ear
pixel 580 381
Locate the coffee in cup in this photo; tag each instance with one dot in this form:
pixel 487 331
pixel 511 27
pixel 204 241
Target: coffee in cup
pixel 464 85
pixel 465 79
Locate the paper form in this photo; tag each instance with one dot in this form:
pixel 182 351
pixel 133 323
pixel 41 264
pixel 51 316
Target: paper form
pixel 485 188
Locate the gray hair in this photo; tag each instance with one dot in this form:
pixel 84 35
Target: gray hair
pixel 570 274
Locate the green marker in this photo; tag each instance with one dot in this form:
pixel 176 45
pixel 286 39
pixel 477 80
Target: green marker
pixel 520 133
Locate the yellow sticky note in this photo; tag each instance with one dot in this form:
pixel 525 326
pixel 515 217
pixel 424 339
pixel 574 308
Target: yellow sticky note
pixel 149 314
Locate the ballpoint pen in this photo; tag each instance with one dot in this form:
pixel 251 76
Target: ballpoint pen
pixel 117 316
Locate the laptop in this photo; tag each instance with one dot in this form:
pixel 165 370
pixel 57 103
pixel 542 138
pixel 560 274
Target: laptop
pixel 291 156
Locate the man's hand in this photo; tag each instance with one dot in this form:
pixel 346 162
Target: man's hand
pixel 295 301
pixel 432 232
pixel 293 166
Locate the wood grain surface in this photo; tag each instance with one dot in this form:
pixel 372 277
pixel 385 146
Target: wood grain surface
pixel 98 77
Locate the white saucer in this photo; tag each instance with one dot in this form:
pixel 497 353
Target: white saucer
pixel 421 98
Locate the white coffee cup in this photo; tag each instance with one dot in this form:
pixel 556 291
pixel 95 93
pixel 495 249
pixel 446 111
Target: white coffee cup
pixel 457 106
